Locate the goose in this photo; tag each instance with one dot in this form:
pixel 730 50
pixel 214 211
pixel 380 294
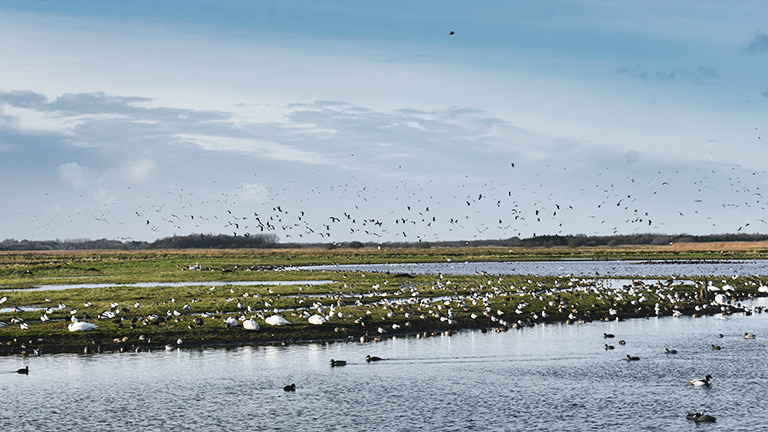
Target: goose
pixel 23 371
pixel 369 358
pixel 335 363
pixel 671 351
pixel 698 382
pixel 632 358
pixel 749 336
pixel 290 388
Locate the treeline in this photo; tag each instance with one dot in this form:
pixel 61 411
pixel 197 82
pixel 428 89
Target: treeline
pixel 636 239
pixel 194 241
pixel 262 241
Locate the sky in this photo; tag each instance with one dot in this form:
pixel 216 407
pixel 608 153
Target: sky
pixel 345 120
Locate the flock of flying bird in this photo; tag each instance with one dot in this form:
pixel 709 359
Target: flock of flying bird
pixel 419 212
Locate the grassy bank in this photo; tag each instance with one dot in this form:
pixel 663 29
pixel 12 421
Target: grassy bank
pixel 356 305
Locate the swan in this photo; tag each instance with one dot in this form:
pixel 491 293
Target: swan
pixel 316 319
pixel 250 324
pixel 698 382
pixel 80 326
pixel 277 320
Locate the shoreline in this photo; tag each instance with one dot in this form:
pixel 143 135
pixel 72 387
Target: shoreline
pixel 128 347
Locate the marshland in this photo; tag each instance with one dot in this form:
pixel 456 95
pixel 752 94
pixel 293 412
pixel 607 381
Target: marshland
pixel 143 301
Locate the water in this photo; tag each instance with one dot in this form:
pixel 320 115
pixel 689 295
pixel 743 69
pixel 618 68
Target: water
pixel 569 268
pixel 549 377
pixel 57 287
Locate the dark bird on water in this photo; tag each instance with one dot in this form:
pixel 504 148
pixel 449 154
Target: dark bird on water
pixel 290 388
pixel 631 358
pixel 335 363
pixel 369 358
pixel 451 33
pixel 23 371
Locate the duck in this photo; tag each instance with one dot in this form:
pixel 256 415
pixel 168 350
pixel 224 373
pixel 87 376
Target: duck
pixel 608 335
pixel 700 417
pixel 698 382
pixel 632 358
pixel 749 336
pixel 369 358
pixel 290 388
pixel 23 371
pixel 622 342
pixel 608 347
pixel 671 351
pixel 716 347
pixel 335 363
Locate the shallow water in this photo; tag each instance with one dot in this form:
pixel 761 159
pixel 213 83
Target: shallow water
pixel 549 377
pixel 57 287
pixel 586 268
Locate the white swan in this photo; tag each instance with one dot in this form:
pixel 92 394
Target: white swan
pixel 316 319
pixel 277 320
pixel 250 324
pixel 81 326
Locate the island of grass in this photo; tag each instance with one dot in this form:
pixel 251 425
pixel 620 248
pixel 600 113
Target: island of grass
pixel 142 301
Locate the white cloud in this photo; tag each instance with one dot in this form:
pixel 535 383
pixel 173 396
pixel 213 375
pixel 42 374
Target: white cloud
pixel 254 147
pixel 141 170
pixel 75 175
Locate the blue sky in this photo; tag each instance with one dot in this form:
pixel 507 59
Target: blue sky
pixel 368 121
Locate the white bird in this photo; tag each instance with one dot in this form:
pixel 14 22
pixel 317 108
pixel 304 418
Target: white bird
pixel 250 324
pixel 277 320
pixel 230 322
pixel 698 382
pixel 81 326
pixel 316 319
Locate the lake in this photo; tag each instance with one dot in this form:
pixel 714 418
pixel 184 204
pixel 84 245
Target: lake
pixel 548 377
pixel 583 268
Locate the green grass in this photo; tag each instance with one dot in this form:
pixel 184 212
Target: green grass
pixel 425 298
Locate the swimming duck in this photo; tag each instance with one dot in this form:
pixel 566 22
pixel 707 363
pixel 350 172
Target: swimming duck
pixel 290 388
pixel 608 347
pixel 632 358
pixel 716 347
pixel 23 371
pixel 369 359
pixel 700 417
pixel 671 351
pixel 622 342
pixel 749 336
pixel 335 363
pixel 608 335
pixel 698 382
